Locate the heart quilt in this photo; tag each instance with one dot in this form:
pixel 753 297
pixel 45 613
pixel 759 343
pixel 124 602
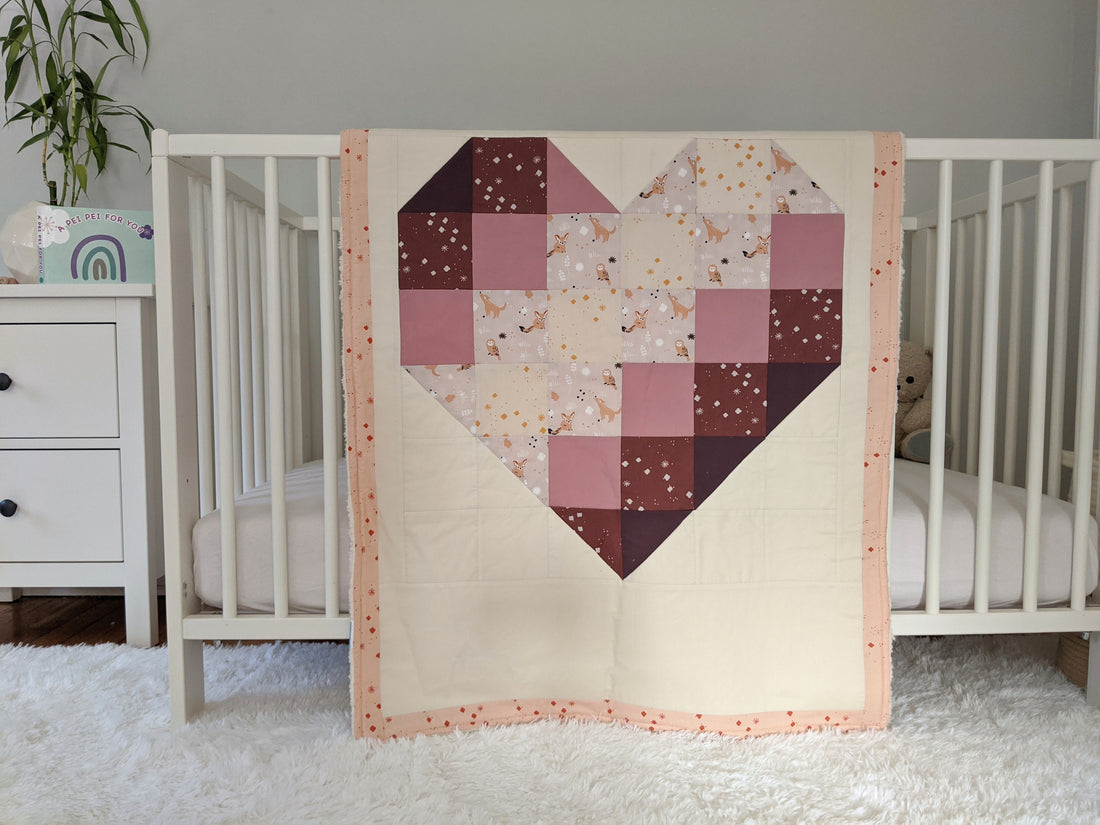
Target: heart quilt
pixel 668 356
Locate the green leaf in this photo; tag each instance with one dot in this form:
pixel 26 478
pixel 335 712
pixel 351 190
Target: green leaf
pixel 41 136
pixel 116 26
pixel 12 76
pixel 66 18
pixel 45 17
pixel 18 26
pixel 136 9
pixel 51 72
pixel 15 51
pixel 94 37
pixel 17 21
pixel 80 172
pixel 91 15
pixel 99 77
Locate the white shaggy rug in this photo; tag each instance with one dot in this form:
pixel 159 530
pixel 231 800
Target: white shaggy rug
pixel 982 731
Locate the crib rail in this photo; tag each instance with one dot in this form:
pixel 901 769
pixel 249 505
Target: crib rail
pixel 239 300
pixel 973 261
pixel 1005 286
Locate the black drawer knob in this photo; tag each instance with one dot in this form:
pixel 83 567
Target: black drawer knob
pixel 8 508
pixel 5 381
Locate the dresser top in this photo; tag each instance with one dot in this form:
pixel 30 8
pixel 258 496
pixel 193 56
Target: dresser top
pixel 111 290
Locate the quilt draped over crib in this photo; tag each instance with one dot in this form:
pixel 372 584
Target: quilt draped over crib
pixel 619 420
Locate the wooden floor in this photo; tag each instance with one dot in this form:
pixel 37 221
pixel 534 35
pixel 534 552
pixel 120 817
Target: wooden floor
pixel 68 620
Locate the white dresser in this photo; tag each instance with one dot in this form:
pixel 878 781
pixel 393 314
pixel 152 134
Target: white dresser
pixel 79 459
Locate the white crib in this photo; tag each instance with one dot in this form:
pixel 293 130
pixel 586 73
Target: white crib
pixel 242 359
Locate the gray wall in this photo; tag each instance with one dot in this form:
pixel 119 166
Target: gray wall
pixel 945 68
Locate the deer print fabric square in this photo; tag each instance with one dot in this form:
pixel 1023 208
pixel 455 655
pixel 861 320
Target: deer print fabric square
pixel 544 319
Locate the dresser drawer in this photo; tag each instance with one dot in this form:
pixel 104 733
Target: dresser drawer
pixel 64 381
pixel 69 505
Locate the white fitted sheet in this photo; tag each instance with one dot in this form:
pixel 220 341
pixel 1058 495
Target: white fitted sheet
pixel 960 510
pixel 305 509
pixel 305 545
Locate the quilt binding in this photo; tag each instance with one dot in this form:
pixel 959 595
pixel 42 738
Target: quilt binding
pixel 368 714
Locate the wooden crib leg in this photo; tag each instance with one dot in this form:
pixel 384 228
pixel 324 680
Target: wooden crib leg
pixel 185 680
pixel 1092 686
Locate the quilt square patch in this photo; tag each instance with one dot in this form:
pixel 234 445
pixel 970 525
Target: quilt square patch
pixel 584 251
pixel 659 251
pixel 731 399
pixel 435 250
pixel 506 252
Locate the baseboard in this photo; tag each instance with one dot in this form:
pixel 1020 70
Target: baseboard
pixel 82 591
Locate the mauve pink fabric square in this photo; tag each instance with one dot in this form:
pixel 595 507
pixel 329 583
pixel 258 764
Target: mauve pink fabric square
pixel 569 190
pixel 731 326
pixel 807 252
pixel 509 251
pixel 437 326
pixel 658 399
pixel 584 472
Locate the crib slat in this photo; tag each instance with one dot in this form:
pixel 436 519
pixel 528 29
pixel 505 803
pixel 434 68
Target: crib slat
pixel 977 277
pixel 1086 390
pixel 1036 415
pixel 285 359
pixel 1061 334
pixel 929 284
pixel 203 389
pixel 255 301
pixel 222 374
pixel 299 417
pixel 233 254
pixel 939 395
pixel 330 436
pixel 244 329
pixel 276 297
pixel 1015 313
pixel 988 407
pixel 956 349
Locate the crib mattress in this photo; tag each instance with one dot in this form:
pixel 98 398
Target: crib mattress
pixel 960 510
pixel 305 510
pixel 305 545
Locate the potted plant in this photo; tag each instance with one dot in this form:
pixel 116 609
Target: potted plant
pixel 55 63
pixel 66 56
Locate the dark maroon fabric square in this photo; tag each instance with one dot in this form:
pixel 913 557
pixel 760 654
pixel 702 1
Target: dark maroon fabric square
pixel 450 189
pixel 658 473
pixel 644 532
pixel 731 399
pixel 715 459
pixel 805 326
pixel 510 176
pixel 788 386
pixel 599 529
pixel 435 250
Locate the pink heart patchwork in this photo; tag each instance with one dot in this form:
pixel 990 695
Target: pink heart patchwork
pixel 621 363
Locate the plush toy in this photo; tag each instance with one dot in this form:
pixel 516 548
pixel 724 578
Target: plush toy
pixel 913 423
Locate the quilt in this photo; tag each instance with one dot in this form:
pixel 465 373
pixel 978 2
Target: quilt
pixel 619 413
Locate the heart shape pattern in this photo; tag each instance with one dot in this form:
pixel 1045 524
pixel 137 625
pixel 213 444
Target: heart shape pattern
pixel 621 363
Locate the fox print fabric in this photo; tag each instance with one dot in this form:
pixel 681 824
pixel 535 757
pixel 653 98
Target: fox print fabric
pixel 617 403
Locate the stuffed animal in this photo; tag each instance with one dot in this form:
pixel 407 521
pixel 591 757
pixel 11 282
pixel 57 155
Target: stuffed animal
pixel 913 422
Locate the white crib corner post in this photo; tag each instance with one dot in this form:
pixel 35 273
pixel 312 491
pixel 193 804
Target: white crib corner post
pixel 178 434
